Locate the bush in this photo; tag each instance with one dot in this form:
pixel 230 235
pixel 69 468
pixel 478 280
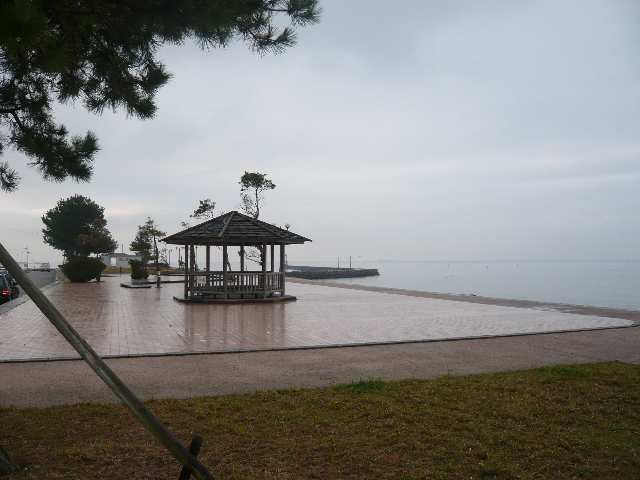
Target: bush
pixel 83 269
pixel 138 270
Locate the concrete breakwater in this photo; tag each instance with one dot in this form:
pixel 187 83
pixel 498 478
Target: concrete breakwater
pixel 321 273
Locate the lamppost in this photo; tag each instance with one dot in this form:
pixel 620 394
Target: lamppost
pixel 26 249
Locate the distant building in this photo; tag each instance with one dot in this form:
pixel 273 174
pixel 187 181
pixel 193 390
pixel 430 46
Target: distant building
pixel 118 259
pixel 38 266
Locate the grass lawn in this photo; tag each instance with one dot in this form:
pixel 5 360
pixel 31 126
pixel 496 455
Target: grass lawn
pixel 561 422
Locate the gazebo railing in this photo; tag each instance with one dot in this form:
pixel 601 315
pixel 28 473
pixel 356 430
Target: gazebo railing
pixel 217 284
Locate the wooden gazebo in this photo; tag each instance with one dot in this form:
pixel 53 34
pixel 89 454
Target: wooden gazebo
pixel 235 229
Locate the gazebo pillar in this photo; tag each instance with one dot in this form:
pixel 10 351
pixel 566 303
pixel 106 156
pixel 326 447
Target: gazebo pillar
pixel 242 279
pixel 272 263
pixel 224 271
pixel 208 264
pixel 186 271
pixel 282 267
pixel 192 268
pixel 264 270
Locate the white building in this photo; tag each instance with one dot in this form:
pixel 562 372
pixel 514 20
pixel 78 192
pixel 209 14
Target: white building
pixel 118 259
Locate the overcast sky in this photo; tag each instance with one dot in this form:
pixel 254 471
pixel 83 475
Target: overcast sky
pixel 409 130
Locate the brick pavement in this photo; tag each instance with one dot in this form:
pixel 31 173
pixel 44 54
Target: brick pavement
pixel 124 322
pixel 39 384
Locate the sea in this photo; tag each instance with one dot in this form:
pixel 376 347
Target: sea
pixel 613 284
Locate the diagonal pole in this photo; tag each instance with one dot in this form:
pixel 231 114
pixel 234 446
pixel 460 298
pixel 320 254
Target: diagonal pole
pixel 194 449
pixel 154 426
pixel 6 465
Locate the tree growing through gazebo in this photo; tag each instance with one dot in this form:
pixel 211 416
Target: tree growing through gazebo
pixel 205 210
pixel 253 186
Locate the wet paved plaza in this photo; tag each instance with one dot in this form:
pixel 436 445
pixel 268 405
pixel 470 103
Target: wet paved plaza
pixel 122 322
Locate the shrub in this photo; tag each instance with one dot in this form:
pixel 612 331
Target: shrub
pixel 83 269
pixel 138 270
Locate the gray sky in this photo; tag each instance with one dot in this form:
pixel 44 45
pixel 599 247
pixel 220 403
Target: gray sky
pixel 432 130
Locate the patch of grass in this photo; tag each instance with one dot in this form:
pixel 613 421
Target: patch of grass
pixel 578 422
pixel 363 386
pixel 566 371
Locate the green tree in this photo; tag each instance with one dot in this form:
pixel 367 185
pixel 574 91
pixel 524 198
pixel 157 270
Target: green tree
pixel 253 185
pixel 105 54
pixel 77 227
pixel 252 188
pixel 205 210
pixel 146 241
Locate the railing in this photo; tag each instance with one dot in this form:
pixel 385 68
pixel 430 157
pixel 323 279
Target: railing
pixel 234 284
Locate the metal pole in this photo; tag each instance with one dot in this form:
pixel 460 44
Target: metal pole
pixel 117 386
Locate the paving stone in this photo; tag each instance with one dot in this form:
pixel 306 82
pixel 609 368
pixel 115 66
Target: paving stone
pixel 125 322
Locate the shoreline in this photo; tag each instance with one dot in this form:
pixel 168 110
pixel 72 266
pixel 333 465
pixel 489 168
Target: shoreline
pixel 621 313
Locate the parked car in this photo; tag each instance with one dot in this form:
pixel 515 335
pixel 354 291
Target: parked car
pixel 5 289
pixel 8 287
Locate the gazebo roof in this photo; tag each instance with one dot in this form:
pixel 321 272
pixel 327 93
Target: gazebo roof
pixel 234 228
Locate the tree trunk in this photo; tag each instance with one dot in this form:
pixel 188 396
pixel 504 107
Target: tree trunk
pixel 155 248
pixel 257 205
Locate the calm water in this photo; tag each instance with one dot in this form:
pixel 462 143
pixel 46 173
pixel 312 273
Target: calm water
pixel 607 284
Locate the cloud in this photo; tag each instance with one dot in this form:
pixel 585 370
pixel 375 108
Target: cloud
pixel 435 130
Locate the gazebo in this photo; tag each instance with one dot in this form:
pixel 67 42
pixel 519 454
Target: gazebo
pixel 235 229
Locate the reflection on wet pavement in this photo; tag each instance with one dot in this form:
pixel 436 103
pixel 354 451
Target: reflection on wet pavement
pixel 120 322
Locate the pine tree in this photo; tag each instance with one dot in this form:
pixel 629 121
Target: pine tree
pixel 146 241
pixel 205 210
pixel 104 53
pixel 77 227
pixel 252 188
